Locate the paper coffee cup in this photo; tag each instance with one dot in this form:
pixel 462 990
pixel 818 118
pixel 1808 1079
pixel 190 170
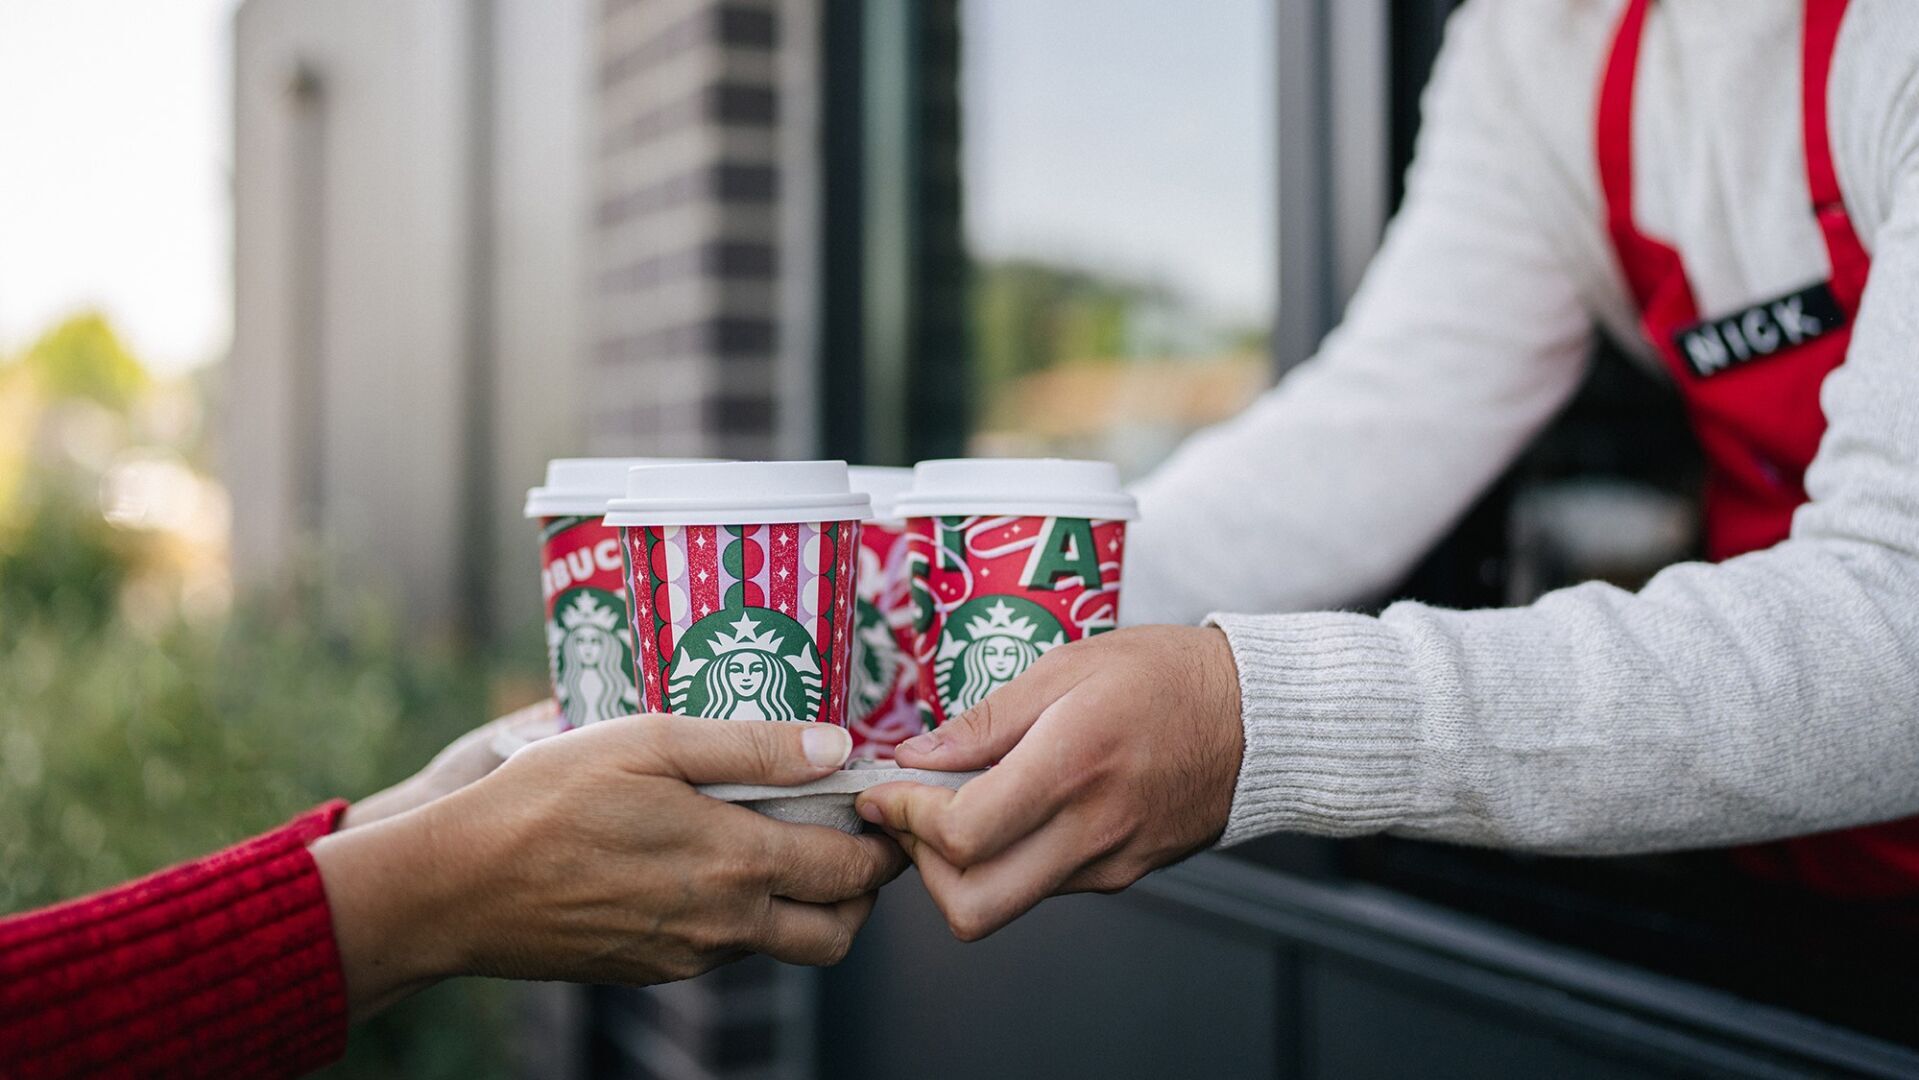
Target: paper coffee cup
pixel 742 580
pixel 882 688
pixel 589 643
pixel 1008 559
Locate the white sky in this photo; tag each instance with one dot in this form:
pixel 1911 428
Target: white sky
pixel 114 165
pixel 1134 135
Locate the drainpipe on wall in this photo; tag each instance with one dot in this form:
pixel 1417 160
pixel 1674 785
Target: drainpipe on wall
pixel 474 605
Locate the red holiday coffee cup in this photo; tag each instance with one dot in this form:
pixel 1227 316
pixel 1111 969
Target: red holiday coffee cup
pixel 1009 559
pixel 589 644
pixel 883 687
pixel 742 578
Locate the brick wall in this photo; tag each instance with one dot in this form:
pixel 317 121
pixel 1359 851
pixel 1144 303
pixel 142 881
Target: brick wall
pixel 688 223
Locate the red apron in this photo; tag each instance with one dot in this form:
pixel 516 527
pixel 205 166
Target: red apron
pixel 1750 381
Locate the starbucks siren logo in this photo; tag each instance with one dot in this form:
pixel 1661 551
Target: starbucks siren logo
pixel 588 646
pixel 987 642
pixel 876 661
pixel 765 669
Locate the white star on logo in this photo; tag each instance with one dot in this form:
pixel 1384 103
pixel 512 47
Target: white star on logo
pixel 784 574
pixel 985 571
pixel 702 575
pixel 700 539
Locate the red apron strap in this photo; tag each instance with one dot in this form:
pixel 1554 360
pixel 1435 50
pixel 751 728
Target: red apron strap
pixel 1614 129
pixel 1850 263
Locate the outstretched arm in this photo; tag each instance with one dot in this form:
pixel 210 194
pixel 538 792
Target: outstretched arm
pixel 223 966
pixel 1772 695
pixel 588 856
pixel 1466 336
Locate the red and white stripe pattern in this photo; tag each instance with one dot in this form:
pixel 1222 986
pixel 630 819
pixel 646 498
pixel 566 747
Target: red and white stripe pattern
pixel 679 576
pixel 783 568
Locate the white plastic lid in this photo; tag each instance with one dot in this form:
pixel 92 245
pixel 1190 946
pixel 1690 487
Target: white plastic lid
pixel 586 485
pixel 738 493
pixel 884 484
pixel 1049 487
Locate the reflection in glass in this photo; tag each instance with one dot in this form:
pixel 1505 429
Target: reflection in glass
pixel 1118 164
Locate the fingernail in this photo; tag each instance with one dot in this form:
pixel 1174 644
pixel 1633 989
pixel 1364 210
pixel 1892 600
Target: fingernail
pixel 870 811
pixel 923 744
pixel 825 745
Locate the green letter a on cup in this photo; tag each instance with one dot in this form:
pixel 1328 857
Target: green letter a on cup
pixel 1065 549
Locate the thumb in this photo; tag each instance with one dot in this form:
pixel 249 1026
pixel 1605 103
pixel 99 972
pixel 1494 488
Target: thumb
pixel 702 751
pixel 984 733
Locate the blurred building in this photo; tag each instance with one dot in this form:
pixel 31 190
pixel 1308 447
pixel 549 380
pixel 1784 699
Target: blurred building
pixel 411 258
pixel 476 234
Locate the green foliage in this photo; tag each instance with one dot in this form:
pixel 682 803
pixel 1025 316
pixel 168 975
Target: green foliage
pixel 60 559
pixel 123 750
pixel 1033 315
pixel 83 358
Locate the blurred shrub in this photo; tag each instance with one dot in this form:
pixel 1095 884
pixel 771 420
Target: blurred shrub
pixel 83 359
pixel 130 744
pixel 135 733
pixel 60 561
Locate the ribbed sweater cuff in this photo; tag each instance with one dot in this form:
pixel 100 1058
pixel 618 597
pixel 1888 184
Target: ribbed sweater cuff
pixel 1330 713
pixel 225 966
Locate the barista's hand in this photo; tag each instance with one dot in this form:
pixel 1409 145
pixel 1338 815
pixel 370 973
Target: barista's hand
pixel 1117 755
pixel 465 760
pixel 589 857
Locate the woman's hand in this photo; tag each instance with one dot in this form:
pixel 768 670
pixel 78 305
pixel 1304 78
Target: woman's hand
pixel 465 760
pixel 589 857
pixel 1117 755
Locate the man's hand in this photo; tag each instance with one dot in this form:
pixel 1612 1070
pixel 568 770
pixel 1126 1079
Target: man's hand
pixel 589 857
pixel 465 760
pixel 1117 755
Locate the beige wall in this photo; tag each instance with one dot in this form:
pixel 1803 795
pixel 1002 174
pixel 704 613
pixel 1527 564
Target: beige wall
pixel 370 294
pixel 543 279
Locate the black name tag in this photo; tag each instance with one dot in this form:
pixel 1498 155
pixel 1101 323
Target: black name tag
pixel 1713 346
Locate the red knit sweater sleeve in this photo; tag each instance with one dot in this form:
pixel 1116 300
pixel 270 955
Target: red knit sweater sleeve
pixel 225 966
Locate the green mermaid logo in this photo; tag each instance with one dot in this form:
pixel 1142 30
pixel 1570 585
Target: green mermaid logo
pixel 751 664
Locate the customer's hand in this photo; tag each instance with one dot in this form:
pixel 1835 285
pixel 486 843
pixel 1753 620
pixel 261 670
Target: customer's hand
pixel 465 760
pixel 589 857
pixel 1117 755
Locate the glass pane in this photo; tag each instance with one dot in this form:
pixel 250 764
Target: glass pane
pixel 1118 163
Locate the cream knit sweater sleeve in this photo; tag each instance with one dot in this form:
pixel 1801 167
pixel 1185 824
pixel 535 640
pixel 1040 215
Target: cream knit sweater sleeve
pixel 1466 335
pixel 1773 694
